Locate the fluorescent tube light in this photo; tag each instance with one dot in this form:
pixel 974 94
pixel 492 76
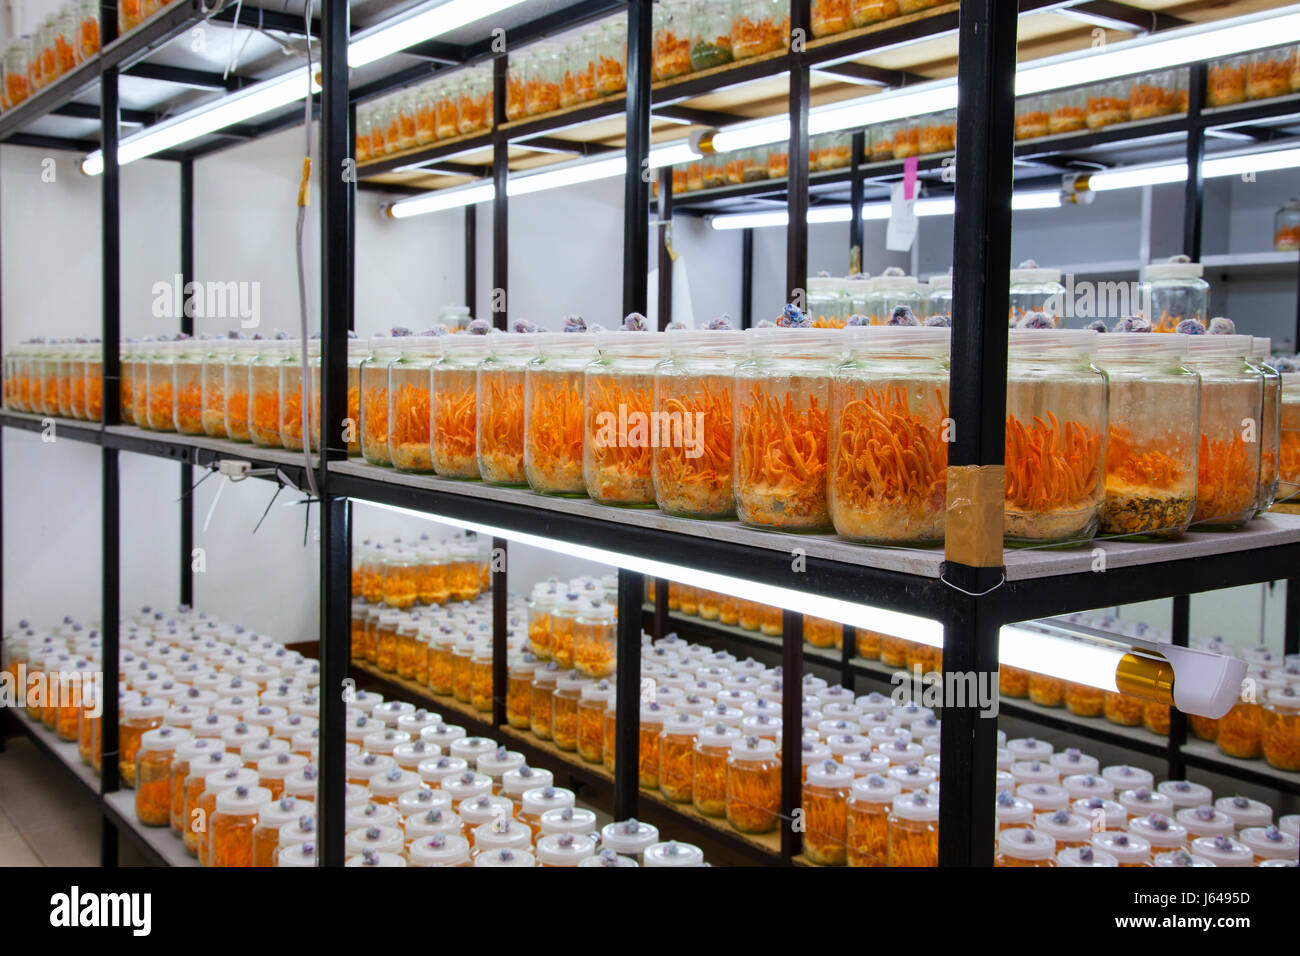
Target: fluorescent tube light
pixel 566 175
pixel 389 38
pixel 875 211
pixel 1213 168
pixel 442 200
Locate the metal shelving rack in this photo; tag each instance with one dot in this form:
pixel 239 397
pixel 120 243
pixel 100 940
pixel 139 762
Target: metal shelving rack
pixel 971 598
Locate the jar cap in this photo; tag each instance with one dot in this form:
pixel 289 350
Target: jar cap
pixel 164 738
pixel 230 776
pixel 1125 847
pixel 565 849
pixel 1178 267
pixel 916 805
pixel 1026 843
pixel 1140 344
pixel 943 281
pixel 689 341
pixel 1085 856
pixel 628 836
pixel 441 849
pixel 894 283
pixel 673 853
pixel 779 340
pixel 828 773
pixel 1212 346
pixel 825 284
pixel 242 798
pixel 1034 341
pixel 568 820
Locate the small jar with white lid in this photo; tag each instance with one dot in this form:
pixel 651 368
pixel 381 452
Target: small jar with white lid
pixel 913 830
pixel 1174 291
pixel 1185 793
pixel 1142 800
pixel 901 751
pixel 1085 856
pixel 1125 777
pixel 443 735
pixel 299 832
pixel 1034 289
pixel 422 800
pixel 1029 748
pixel 889 291
pixel 1223 851
pixel 274 769
pixel 466 786
pixel 1104 814
pixel 564 849
pixel 366 765
pixel 484 809
pixel 435 822
pixel 379 839
pixel 1044 796
pixel 596 697
pixel 154 799
pixel 1066 828
pixel 1270 843
pixel 1012 811
pixel 568 820
pixel 1205 820
pixel 510 858
pixel 1160 831
pixel 411 753
pixel 1228 461
pixel 1245 812
pixel 1082 786
pixel 375 858
pixel 1025 846
pixel 825 807
pixel 388 787
pixel 231 825
pixel 515 783
pixel 440 849
pixel 1072 761
pixel 370 814
pixel 501 833
pixel 537 801
pixel 297 854
pixel 1129 849
pixel 673 853
pixel 1035 771
pixel 497 763
pixel 541 711
pixel 630 838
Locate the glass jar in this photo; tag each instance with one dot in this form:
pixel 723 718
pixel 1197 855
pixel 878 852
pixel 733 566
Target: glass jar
pixel 889 291
pixel 1025 846
pixel 829 305
pixel 578 84
pixel 595 639
pixel 480 677
pixel 693 397
pixel 1107 104
pixel 753 785
pixel 864 12
pixel 1173 291
pixel 446 103
pixel 409 404
pixel 1035 290
pixel 1068 112
pixel 214 763
pixel 867 811
pixel 1056 427
pixel 1268 74
pixel 388 113
pixel 1153 434
pixel 441 645
pixel 1153 94
pixel 912 830
pixel 758 27
pixel 384 350
pixel 475 114
pixel 782 396
pixel 938 133
pixel 136 717
pixel 564 710
pixel 264 393
pixel 160 386
pixel 232 824
pixel 215 784
pixel 830 16
pixel 290 394
pixel 907 139
pixel 545 69
pixel 677 745
pixel 597 697
pixel 455 402
pixel 618 389
pixel 1033 116
pixel 407 105
pixel 939 302
pixel 499 418
pixel 130 13
pixel 825 807
pixel 1288 488
pixel 1225 82
pixel 516 86
pixel 237 375
pixel 611 77
pixel 711 36
pixel 1232 392
pixel 1286 225
pixel 553 413
pixel 17 75
pixel 880 148
pixel 212 389
pixel 153 778
pixel 671 50
pixel 540 706
pixel 892 391
pixel 1270 433
pixel 564 617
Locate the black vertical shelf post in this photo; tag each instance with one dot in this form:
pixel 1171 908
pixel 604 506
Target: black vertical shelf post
pixel 1193 192
pixel 796 230
pixel 1291 627
pixel 500 630
pixel 665 238
pixel 500 203
pixel 636 185
pixel 627 689
pixel 746 278
pixel 110 550
pixel 791 731
pixel 1180 627
pixel 856 187
pixel 986 65
pixel 661 608
pixel 471 258
pixel 187 327
pixel 338 197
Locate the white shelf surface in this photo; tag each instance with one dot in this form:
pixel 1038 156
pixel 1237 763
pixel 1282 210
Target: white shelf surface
pixel 163 840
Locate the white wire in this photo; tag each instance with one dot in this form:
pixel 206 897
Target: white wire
pixel 302 285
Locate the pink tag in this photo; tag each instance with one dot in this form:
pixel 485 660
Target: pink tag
pixel 909 177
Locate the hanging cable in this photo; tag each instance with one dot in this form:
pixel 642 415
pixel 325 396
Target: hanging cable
pixel 304 197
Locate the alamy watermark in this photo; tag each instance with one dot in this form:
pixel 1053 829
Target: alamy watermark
pixel 978 689
pixel 1098 300
pixel 240 300
pixel 633 428
pixel 42 689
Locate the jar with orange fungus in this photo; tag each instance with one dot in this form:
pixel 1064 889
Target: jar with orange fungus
pixel 825 807
pixel 1025 846
pixel 384 350
pixel 539 800
pixel 463 571
pixel 1013 681
pixel 455 405
pixel 232 823
pixel 912 830
pixel 1228 464
pixel 770 620
pixel 1280 717
pixel 1046 691
pixel 540 607
pixel 271 817
pixel 1122 709
pixel 753 785
pixel 410 403
pixel 499 418
pixel 677 743
pixel 264 392
pixel 1084 701
pixel 747 614
pixel 564 618
pixel 619 430
pixel 596 697
pixel 137 717
pixel 236 381
pixel 609 730
pixel 653 715
pixel 441 649
pixel 595 639
pixel 866 820
pixel 554 412
pixel 1241 730
pixel 187 387
pixel 215 784
pixel 541 697
pixel 519 679
pixel 295 400
pixel 153 779
pixel 186 754
pixel 481 688
pixel 273 770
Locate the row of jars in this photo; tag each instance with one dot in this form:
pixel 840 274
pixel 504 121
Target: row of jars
pixel 422 572
pixel 66 38
pixel 1146 96
pixel 807 429
pixel 1256 76
pixel 458 105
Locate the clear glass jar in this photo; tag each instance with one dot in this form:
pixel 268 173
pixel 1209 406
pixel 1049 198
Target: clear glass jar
pixel 1033 116
pixel 136 717
pixel 671 51
pixel 264 393
pixel 564 617
pixel 553 413
pixel 409 404
pixel 1056 428
pixel 441 646
pixel 758 27
pixel 384 350
pixel 519 679
pixel 1280 740
pixel 1270 433
pixel 825 807
pixel 516 86
pixel 1035 290
pixel 290 396
pixel 1173 291
pixel 892 390
pixel 830 16
pixel 540 607
pixel 611 74
pixel 1286 225
pixel 540 706
pixel 212 389
pixel 158 391
pixel 1153 94
pixel 1288 488
pixel 499 418
pixel 782 395
pixel 446 109
pixel 564 710
pixel 865 12
pixel 1232 392
pixel 866 825
pixel 237 374
pixel 455 402
pixel 1225 82
pixel 17 75
pixel 1068 112
pixel 391 118
pixel 475 92
pixel 912 830
pixel 1268 74
pixel 1153 422
pixel 907 139
pixel 595 639
pixel 1241 730
pixel 232 823
pixel 753 785
pixel 938 133
pixel 545 70
pixel 618 404
pixel 1107 104
pixel 889 291
pixel 829 306
pixel 153 778
pixel 880 146
pixel 693 397
pixel 578 81
pixel 1025 846
pixel 481 686
pixel 711 35
pixel 358 349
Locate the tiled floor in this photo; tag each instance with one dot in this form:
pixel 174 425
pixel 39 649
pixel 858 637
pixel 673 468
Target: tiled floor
pixel 45 818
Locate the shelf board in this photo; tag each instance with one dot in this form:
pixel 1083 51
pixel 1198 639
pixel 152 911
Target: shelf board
pixel 160 844
pixel 75 429
pixel 1207 756
pixel 63 752
pixel 203 451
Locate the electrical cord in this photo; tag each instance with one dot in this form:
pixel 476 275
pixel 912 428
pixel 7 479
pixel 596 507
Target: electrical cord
pixel 304 196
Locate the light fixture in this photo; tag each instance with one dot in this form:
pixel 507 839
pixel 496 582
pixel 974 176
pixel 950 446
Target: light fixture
pixel 875 211
pixel 1235 164
pixel 442 200
pixel 1206 684
pixel 389 38
pixel 291 87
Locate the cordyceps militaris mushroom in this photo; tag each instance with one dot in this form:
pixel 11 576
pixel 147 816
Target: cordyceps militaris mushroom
pixel 793 318
pixel 1190 327
pixel 903 316
pixel 1036 320
pixel 1132 323
pixel 1221 325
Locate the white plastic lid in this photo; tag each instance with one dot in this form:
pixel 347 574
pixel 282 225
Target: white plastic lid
pixel 673 853
pixel 522 779
pixel 242 799
pixel 1012 810
pixel 1029 748
pixel 916 805
pixel 1173 269
pixel 1141 800
pixel 441 849
pixel 1125 777
pixel 1270 842
pixel 1032 342
pixel 508 857
pixel 373 858
pixel 1159 830
pixel 1085 856
pixel 1125 847
pixel 568 820
pixel 540 799
pixel 1223 851
pixel 628 836
pixel 830 774
pixel 1026 843
pixel 1026 275
pixel 1084 785
pixel 607 858
pixel 1219 346
pixel 565 849
pixel 164 738
pixel 1044 796
pixel 1185 793
pixel 1245 812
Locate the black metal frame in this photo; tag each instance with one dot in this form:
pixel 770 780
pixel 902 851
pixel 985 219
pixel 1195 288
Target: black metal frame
pixel 971 603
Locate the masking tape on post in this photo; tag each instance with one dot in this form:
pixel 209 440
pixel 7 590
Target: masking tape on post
pixel 974 515
pixel 304 187
pixel 1146 677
